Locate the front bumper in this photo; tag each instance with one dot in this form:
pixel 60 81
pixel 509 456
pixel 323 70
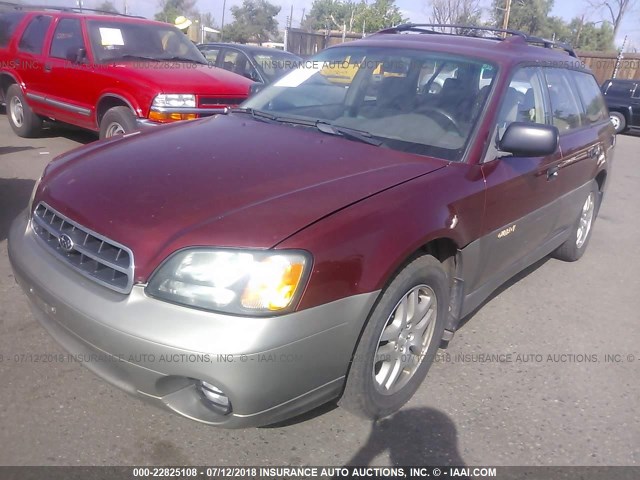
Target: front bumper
pixel 270 368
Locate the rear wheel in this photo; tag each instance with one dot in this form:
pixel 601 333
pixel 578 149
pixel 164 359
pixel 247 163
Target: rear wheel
pixel 618 121
pixel 23 121
pixel 400 341
pixel 576 244
pixel 117 121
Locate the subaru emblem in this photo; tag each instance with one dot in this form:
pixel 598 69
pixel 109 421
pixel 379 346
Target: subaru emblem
pixel 65 242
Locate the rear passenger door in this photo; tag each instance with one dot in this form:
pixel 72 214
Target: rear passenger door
pixel 521 207
pixel 585 136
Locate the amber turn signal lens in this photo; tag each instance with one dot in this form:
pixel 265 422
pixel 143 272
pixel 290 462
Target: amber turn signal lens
pixel 170 117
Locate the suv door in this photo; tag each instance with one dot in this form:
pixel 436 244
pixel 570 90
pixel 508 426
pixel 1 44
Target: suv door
pixel 521 202
pixel 635 106
pixel 30 56
pixel 70 82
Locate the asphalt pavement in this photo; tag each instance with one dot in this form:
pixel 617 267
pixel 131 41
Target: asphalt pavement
pixel 545 373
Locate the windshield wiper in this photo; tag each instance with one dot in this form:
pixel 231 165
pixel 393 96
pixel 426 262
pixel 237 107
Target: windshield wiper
pixel 135 57
pixel 348 133
pixel 257 114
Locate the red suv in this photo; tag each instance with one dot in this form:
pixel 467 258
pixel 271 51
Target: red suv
pixel 326 238
pixel 109 73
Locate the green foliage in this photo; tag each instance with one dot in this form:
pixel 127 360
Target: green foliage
pixel 353 15
pixel 172 9
pixel 107 6
pixel 254 21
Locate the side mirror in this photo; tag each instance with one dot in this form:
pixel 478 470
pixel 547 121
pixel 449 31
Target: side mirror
pixel 524 139
pixel 77 55
pixel 255 88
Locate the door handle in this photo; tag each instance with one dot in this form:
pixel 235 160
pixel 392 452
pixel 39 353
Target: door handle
pixel 47 67
pixel 552 173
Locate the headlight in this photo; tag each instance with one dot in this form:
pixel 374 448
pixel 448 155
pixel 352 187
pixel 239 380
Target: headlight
pixel 232 281
pixel 174 100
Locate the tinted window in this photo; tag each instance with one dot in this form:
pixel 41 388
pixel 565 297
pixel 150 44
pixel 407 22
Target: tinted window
pixel 238 62
pixel 8 23
pixel 619 88
pixel 67 39
pixel 33 37
pixel 636 92
pixel 566 109
pixel 594 109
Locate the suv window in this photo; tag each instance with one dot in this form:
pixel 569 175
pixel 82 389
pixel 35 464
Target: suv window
pixel 636 92
pixel 67 39
pixel 619 88
pixel 33 37
pixel 524 99
pixel 211 54
pixel 565 107
pixel 8 23
pixel 594 108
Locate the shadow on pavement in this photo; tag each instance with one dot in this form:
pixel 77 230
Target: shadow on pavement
pixel 8 150
pixel 14 197
pixel 412 437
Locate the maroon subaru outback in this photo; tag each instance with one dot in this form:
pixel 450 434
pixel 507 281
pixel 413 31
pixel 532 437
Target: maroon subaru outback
pixel 112 74
pixel 325 239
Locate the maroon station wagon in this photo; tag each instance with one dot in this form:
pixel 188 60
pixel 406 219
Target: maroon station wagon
pixel 112 74
pixel 325 239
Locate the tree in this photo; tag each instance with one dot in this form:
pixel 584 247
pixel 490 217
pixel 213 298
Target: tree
pixel 615 10
pixel 254 21
pixel 529 16
pixel 107 6
pixel 351 16
pixel 380 14
pixel 458 12
pixel 172 9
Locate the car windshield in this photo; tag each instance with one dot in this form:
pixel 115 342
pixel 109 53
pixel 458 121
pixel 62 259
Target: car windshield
pixel 275 64
pixel 140 41
pixel 409 100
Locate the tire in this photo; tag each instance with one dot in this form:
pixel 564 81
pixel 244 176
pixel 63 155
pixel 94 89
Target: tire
pixel 575 246
pixel 618 121
pixel 371 391
pixel 117 121
pixel 23 121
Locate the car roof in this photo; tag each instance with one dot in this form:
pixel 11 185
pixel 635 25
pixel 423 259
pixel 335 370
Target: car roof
pixel 88 14
pixel 508 51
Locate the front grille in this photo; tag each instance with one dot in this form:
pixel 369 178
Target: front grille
pixel 90 254
pixel 208 102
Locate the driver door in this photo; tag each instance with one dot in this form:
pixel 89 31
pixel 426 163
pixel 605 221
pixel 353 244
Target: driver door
pixel 70 82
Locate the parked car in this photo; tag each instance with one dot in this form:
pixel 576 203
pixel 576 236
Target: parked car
pixel 260 64
pixel 321 242
pixel 623 99
pixel 112 74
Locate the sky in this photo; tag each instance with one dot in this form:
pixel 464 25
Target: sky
pixel 416 10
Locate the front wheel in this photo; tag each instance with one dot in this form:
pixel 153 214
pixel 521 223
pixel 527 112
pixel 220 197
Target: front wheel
pixel 400 341
pixel 117 121
pixel 618 121
pixel 23 121
pixel 575 246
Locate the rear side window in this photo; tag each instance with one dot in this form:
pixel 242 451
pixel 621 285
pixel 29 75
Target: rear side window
pixel 619 89
pixel 33 37
pixel 636 92
pixel 594 108
pixel 566 109
pixel 8 24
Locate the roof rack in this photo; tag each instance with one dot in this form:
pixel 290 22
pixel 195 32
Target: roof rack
pixel 473 30
pixel 27 6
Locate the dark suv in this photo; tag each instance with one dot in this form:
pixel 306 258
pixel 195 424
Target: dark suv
pixel 112 74
pixel 623 99
pixel 326 238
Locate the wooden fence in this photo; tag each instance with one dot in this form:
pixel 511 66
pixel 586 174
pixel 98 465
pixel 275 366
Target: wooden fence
pixel 603 64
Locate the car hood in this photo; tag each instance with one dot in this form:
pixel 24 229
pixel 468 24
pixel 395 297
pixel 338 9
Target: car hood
pixel 182 77
pixel 224 181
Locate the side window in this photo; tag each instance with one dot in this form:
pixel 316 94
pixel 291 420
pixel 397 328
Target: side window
pixel 67 39
pixel 636 92
pixel 566 110
pixel 594 108
pixel 523 101
pixel 237 62
pixel 33 37
pixel 211 54
pixel 8 23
